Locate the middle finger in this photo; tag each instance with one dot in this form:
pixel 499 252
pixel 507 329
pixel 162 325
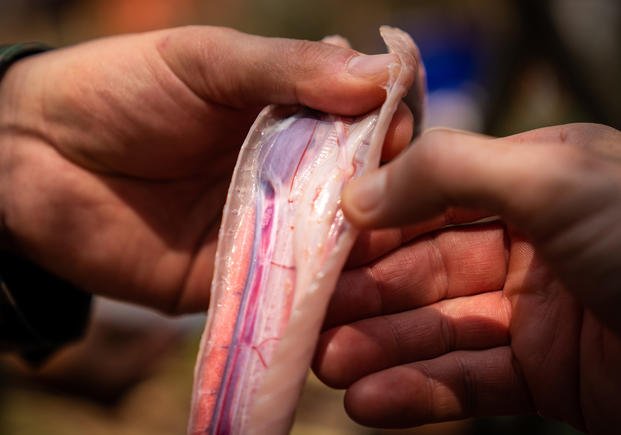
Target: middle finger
pixel 378 343
pixel 450 263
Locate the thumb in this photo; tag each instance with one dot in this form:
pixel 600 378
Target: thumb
pixel 566 199
pixel 534 185
pixel 240 70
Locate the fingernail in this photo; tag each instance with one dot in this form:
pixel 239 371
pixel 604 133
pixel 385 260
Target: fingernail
pixel 366 193
pixel 365 65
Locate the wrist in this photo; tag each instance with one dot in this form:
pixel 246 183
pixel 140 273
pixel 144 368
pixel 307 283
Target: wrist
pixel 18 115
pixel 20 102
pixel 39 312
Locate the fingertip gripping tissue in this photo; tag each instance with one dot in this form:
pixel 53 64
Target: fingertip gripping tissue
pixel 282 244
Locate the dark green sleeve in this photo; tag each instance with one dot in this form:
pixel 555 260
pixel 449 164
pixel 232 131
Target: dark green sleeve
pixel 10 54
pixel 39 312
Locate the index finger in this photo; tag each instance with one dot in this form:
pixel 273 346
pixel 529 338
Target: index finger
pixel 447 264
pixel 240 70
pixel 373 244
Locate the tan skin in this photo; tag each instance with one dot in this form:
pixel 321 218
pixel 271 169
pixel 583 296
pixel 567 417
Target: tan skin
pixel 115 157
pixel 116 154
pixel 507 317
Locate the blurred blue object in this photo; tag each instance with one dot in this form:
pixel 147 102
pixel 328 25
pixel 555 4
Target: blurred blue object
pixel 454 58
pixel 451 55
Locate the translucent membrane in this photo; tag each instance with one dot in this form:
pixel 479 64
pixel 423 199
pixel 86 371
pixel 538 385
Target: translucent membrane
pixel 282 244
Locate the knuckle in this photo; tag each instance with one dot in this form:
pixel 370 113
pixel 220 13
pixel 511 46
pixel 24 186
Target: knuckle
pixel 438 269
pixel 430 153
pixel 308 51
pixel 581 134
pixel 436 138
pixel 600 141
pixel 447 333
pixel 469 384
pixel 310 60
pixel 194 31
pixel 573 160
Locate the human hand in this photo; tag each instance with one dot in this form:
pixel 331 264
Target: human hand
pixel 116 154
pixel 484 319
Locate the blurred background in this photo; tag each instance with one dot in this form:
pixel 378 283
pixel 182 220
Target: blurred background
pixel 494 66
